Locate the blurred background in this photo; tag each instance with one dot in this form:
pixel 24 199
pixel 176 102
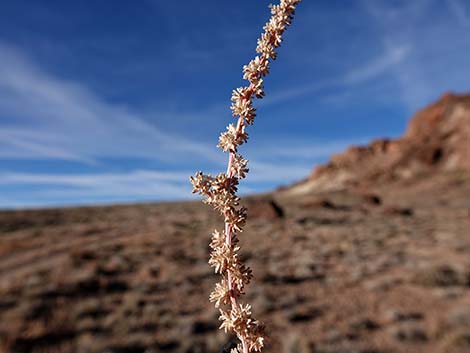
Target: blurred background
pixel 104 102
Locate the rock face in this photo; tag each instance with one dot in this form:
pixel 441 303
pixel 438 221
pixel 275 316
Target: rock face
pixel 437 139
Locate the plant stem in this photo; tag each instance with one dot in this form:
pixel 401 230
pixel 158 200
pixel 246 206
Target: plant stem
pixel 228 240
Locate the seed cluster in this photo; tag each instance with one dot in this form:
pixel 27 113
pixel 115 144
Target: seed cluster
pixel 221 191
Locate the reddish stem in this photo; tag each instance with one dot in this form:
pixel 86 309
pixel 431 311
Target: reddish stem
pixel 228 228
pixel 228 239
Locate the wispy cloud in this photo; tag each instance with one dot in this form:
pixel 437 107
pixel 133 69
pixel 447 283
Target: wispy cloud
pixel 93 180
pixel 45 117
pixel 18 143
pixel 99 187
pixel 270 166
pixel 48 117
pixel 275 174
pixel 386 11
pixel 292 160
pixel 295 150
pixel 58 189
pixel 461 10
pixel 435 40
pixel 392 56
pixel 377 66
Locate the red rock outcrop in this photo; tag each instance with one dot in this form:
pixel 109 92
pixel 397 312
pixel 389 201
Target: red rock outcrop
pixel 437 139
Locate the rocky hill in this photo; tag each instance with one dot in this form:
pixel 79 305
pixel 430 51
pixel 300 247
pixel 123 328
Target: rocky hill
pixel 437 139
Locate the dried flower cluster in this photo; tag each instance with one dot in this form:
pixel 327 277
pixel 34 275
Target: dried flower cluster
pixel 220 191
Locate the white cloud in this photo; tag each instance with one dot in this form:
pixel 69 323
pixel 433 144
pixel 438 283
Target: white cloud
pixel 277 173
pixel 291 161
pixel 131 186
pixel 386 10
pixel 438 60
pixel 461 10
pixel 270 166
pixel 93 180
pixel 43 117
pixel 47 117
pixel 376 67
pixel 391 57
pixel 295 150
pixel 70 189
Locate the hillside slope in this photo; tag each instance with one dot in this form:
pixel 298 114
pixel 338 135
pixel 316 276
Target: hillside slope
pixel 437 140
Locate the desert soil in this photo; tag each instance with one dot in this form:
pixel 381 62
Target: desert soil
pixel 384 269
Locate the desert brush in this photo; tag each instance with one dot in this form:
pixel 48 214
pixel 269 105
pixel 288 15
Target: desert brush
pixel 221 191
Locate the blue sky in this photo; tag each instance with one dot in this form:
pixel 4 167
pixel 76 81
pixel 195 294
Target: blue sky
pixel 120 101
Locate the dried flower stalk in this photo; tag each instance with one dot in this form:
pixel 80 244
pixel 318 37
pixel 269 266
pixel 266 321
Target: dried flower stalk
pixel 220 191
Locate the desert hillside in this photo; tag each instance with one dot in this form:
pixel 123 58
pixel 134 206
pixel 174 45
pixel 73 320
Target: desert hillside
pixel 370 254
pixel 437 140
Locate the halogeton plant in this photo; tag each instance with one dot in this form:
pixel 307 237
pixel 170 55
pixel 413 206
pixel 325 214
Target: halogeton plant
pixel 221 191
